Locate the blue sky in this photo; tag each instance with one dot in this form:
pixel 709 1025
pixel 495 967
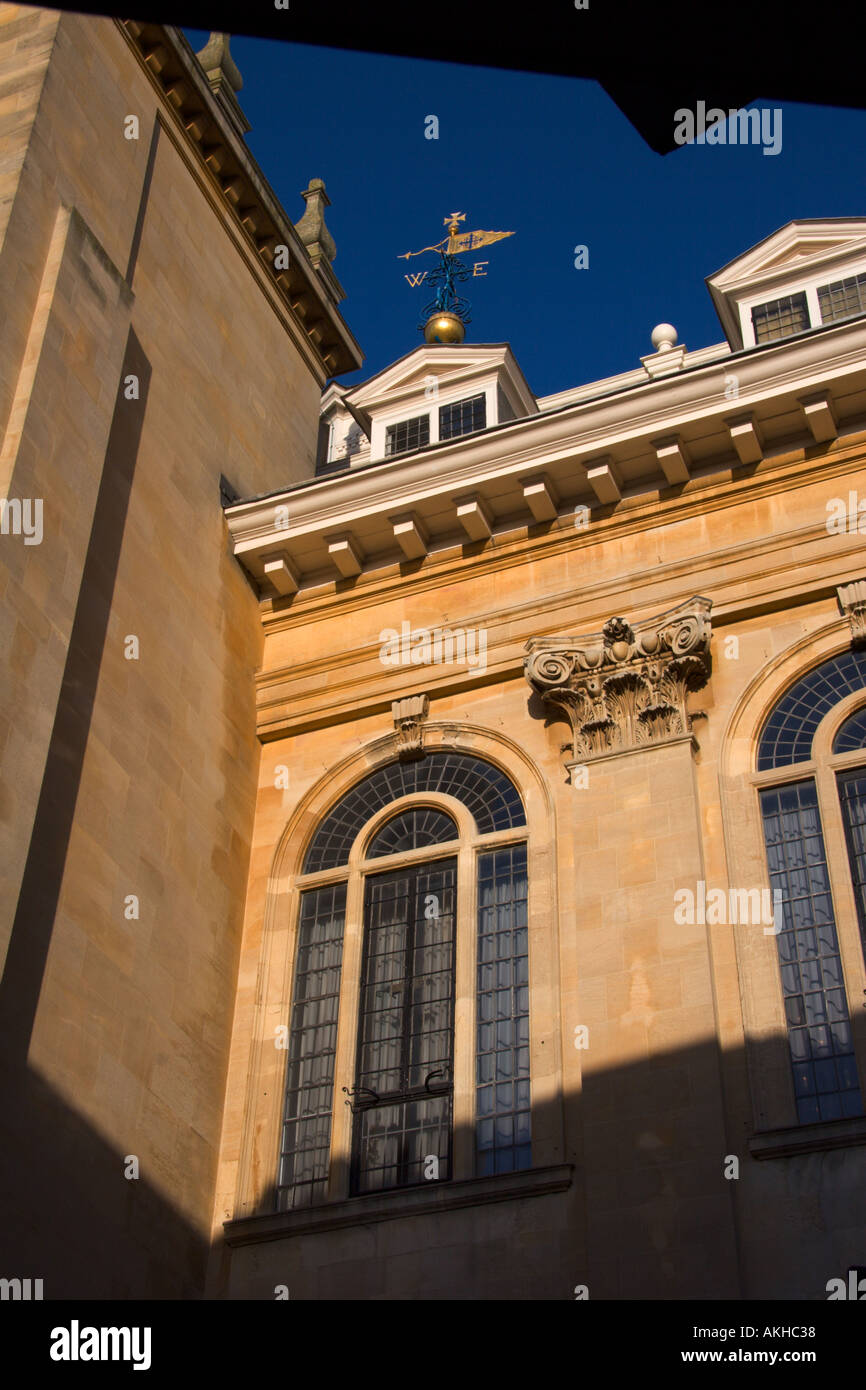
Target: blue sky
pixel 550 158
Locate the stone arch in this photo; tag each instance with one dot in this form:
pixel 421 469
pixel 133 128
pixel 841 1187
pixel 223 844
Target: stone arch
pixel 263 1095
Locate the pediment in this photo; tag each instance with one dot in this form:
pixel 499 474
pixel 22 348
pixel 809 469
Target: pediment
pixel 412 372
pixel 428 369
pixel 804 250
pixel 798 246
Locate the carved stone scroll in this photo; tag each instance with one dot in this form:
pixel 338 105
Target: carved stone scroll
pixel 626 686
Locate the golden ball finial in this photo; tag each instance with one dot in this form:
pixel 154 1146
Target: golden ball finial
pixel 444 328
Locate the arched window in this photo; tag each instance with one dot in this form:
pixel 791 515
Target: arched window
pixel 788 732
pixel 430 859
pixel 484 789
pixel 825 1075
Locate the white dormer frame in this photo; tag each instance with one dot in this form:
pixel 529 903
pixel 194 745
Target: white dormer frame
pixel 810 286
pixel 430 405
pixel 461 371
pixel 395 417
pixel 800 256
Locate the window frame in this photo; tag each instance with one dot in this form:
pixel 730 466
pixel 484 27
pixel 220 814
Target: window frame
pixel 773 1086
pixel 830 285
pixel 772 304
pixel 463 402
pixel 408 1092
pixel 256 1086
pixel 466 848
pixel 395 425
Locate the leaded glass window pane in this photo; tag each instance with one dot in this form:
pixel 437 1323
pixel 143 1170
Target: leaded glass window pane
pixel 502 1078
pixel 404 1078
pixel 306 1138
pixel 412 830
pixel 779 318
pixel 787 735
pixel 487 792
pixel 462 417
pixel 842 299
pixel 408 434
pixel 826 1084
pixel 852 735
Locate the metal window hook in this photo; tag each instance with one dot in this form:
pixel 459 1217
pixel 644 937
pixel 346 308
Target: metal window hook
pixel 357 1091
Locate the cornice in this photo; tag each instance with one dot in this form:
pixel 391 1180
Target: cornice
pixel 226 163
pixel 569 443
pixel 701 498
pixel 258 269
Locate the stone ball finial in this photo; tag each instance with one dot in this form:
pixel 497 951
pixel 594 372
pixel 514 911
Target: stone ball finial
pixel 663 337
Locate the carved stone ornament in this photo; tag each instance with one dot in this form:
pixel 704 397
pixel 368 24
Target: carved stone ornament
pixel 852 602
pixel 409 715
pixel 626 686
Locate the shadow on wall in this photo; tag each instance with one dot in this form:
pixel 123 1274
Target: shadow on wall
pixel 649 1214
pixel 654 1210
pixel 71 1218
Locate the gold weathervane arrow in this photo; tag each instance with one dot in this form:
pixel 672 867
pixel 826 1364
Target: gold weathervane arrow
pixel 458 241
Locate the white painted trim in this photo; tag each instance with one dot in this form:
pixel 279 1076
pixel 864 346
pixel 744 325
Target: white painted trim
pixel 795 285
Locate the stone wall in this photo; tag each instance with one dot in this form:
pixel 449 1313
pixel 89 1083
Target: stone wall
pixel 125 777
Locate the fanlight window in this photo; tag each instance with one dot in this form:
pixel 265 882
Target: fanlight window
pixel 787 735
pixel 852 734
pixel 826 1081
pixel 402 1094
pixel 486 791
pixel 412 830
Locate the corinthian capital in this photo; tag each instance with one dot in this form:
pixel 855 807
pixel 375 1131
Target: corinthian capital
pixel 852 602
pixel 625 686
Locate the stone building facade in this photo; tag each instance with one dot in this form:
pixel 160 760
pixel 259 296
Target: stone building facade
pixel 520 655
pixel 431 813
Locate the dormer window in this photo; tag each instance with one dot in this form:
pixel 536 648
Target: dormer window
pixel 842 299
pixel 779 318
pixel 407 435
pixel 462 417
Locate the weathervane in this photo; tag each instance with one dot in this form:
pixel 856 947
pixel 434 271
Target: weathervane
pixel 446 315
